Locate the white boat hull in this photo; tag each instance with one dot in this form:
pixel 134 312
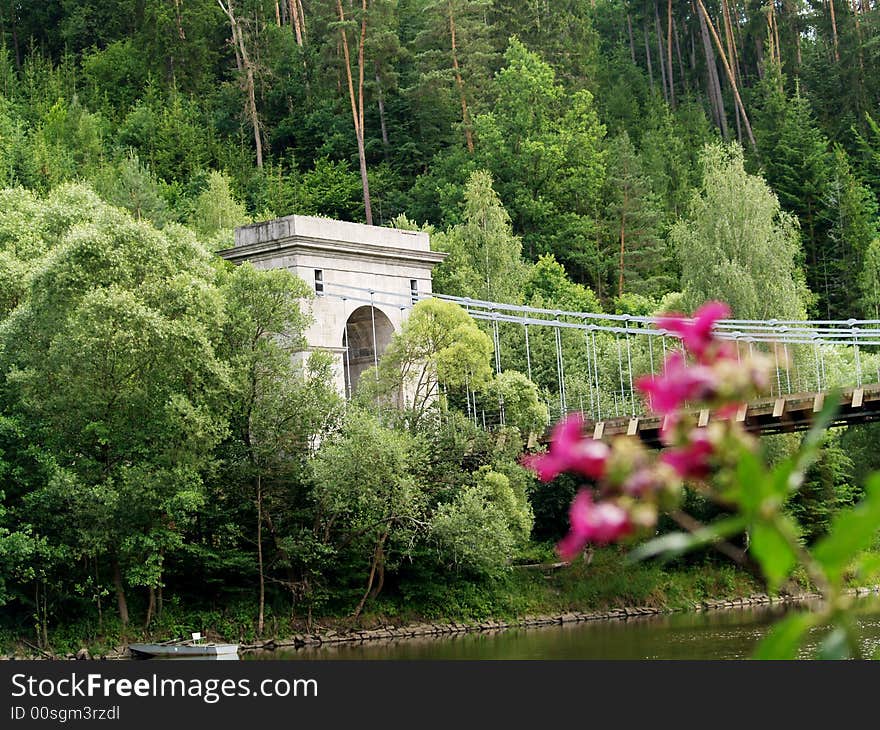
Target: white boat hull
pixel 209 651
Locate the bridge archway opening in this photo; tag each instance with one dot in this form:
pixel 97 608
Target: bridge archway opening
pixel 367 334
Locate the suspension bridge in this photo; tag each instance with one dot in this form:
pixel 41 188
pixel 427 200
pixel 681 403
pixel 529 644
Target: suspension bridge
pixel 366 278
pixel 589 363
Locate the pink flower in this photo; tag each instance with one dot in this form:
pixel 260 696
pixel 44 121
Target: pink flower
pixel 696 332
pixel 570 451
pixel 692 460
pixel 641 482
pixel 591 522
pixel 677 384
pixel 728 410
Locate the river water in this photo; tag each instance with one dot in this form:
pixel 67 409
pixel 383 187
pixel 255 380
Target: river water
pixel 716 634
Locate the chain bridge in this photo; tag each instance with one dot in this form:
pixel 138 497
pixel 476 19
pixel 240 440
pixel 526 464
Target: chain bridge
pixel 367 278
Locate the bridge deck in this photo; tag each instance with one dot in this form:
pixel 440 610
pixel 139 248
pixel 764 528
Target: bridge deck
pixel 782 414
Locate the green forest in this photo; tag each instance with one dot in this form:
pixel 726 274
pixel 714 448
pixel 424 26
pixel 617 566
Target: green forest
pixel 164 464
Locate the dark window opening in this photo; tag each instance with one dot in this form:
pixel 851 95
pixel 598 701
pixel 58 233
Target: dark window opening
pixel 414 290
pixel 319 281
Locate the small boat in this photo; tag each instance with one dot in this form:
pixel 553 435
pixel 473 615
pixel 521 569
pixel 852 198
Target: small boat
pixel 185 649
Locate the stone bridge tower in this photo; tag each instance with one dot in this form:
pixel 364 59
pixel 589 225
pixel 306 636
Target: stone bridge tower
pixel 364 277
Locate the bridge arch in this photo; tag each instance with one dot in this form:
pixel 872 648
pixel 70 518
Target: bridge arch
pixel 366 336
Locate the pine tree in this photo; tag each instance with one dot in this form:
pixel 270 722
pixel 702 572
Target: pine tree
pixel 798 166
pixel 631 224
pixel 455 56
pixel 853 224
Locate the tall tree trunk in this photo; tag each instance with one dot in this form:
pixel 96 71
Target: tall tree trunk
pixel 669 52
pixel 732 54
pixel 120 592
pixel 295 21
pixel 98 597
pixel 302 19
pixel 622 244
pixel 678 55
pixel 15 45
pixel 259 502
pixel 357 104
pixel 759 54
pixel 712 81
pixel 381 103
pixel 238 40
pixel 660 53
pixel 632 46
pixel 727 69
pixel 377 563
pixel 834 31
pixel 177 20
pixel 776 44
pixel 730 37
pixel 282 551
pixel 860 39
pixel 151 606
pixel 693 52
pixel 465 116
pixel 648 58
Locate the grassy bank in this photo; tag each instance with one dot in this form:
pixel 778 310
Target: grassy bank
pixel 606 582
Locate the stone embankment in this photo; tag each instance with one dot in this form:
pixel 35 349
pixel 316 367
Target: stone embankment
pixel 451 628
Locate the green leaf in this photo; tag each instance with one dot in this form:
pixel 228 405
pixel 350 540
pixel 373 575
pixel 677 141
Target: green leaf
pixel 674 544
pixel 868 565
pixel 785 637
pixel 752 483
pixel 852 531
pixel 772 552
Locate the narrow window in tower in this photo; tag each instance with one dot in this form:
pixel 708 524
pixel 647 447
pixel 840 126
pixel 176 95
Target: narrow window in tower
pixel 319 282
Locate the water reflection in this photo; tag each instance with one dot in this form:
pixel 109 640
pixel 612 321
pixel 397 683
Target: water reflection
pixel 719 634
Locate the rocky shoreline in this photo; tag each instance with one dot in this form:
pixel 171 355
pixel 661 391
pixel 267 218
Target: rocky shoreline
pixel 451 628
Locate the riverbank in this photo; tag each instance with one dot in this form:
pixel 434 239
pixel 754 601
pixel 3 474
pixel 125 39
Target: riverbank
pixel 422 630
pixel 606 588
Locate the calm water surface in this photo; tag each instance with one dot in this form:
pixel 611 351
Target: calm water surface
pixel 719 634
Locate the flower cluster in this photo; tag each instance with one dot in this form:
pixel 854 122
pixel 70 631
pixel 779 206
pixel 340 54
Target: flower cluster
pixel 629 484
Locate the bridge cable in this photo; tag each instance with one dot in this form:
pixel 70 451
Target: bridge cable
pixel 528 351
pixel 589 372
pixel 596 373
pixel 497 339
pixel 497 343
pixel 632 399
pixel 858 358
pixel 620 370
pixel 788 364
pixel 778 379
pixel 559 372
